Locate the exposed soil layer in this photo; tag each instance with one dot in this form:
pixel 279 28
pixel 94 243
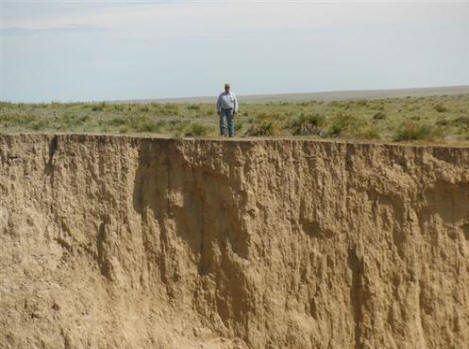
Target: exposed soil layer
pixel 119 242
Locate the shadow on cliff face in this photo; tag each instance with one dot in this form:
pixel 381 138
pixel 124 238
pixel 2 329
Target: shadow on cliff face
pixel 184 203
pixel 53 146
pixel 446 203
pixel 193 201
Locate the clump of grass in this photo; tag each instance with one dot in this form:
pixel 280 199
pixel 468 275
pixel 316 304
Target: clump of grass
pixel 178 126
pixel 368 133
pixel 144 108
pixel 379 116
pixel 446 117
pixel 16 119
pixel 442 122
pixel 379 106
pixel 238 126
pixel 265 116
pixel 99 106
pixel 193 107
pixel 39 125
pixel 118 107
pixel 362 103
pixel 197 130
pixel 71 120
pixel 411 131
pixel 265 128
pixel 170 109
pixel 4 105
pixel 142 123
pixel 266 124
pixel 147 126
pixel 307 124
pixel 117 121
pixel 340 124
pixel 440 108
pixel 462 121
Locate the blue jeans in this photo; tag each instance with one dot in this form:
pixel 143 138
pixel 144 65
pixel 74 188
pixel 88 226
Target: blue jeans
pixel 227 116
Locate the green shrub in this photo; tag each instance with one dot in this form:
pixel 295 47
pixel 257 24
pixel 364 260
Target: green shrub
pixel 238 126
pixel 442 122
pixel 142 123
pixel 193 107
pixel 170 109
pixel 268 116
pixel 362 103
pixel 160 124
pixel 144 108
pixel 197 130
pixel 340 124
pixel 147 126
pixel 368 132
pixel 98 107
pixel 440 108
pixel 379 106
pixel 118 107
pixel 462 121
pixel 39 125
pixel 181 125
pixel 117 121
pixel 71 120
pixel 411 131
pixel 264 128
pixel 4 105
pixel 306 124
pixel 379 116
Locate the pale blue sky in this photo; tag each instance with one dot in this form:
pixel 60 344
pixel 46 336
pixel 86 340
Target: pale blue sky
pixel 108 50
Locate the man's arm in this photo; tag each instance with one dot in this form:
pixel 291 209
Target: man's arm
pixel 235 102
pixel 218 105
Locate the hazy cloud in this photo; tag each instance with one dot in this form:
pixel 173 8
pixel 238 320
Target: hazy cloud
pixel 12 31
pixel 184 48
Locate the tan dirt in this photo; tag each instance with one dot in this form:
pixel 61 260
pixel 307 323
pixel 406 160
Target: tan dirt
pixel 121 242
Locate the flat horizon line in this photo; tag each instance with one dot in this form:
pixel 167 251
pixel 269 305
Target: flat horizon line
pixel 329 95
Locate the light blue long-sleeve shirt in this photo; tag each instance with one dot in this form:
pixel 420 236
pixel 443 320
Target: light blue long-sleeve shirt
pixel 227 101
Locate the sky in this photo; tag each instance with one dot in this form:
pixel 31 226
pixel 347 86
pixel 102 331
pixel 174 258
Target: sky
pixel 67 50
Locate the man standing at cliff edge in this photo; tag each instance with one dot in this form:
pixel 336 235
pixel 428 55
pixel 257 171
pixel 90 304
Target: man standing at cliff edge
pixel 227 107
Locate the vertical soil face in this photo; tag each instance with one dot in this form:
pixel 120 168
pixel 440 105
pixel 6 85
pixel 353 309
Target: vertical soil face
pixel 119 242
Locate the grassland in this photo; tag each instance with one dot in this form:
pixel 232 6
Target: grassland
pixel 438 119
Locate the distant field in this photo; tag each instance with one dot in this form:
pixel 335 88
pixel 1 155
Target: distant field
pixel 435 119
pixel 330 95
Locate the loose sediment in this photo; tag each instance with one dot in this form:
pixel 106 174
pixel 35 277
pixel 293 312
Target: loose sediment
pixel 121 242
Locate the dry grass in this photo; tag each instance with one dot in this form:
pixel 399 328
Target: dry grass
pixel 442 119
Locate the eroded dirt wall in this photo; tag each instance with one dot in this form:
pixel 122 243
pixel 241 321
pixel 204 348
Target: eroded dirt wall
pixel 120 242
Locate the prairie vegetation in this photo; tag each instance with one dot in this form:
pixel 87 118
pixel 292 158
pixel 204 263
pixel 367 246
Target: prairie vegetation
pixel 441 119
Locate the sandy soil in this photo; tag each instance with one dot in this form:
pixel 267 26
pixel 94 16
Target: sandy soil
pixel 123 242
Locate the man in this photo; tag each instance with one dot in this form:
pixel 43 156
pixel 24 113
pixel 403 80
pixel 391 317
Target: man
pixel 227 107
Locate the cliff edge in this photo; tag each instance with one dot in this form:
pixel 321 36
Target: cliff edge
pixel 120 242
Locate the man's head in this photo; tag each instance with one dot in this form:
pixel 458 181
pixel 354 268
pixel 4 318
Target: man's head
pixel 227 88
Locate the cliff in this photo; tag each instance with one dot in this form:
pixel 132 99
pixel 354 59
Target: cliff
pixel 120 242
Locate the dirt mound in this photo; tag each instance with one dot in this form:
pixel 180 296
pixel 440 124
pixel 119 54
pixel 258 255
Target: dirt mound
pixel 118 242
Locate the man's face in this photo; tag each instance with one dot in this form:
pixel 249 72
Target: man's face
pixel 227 89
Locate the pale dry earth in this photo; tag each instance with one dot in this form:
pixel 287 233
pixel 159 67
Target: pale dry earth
pixel 126 242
